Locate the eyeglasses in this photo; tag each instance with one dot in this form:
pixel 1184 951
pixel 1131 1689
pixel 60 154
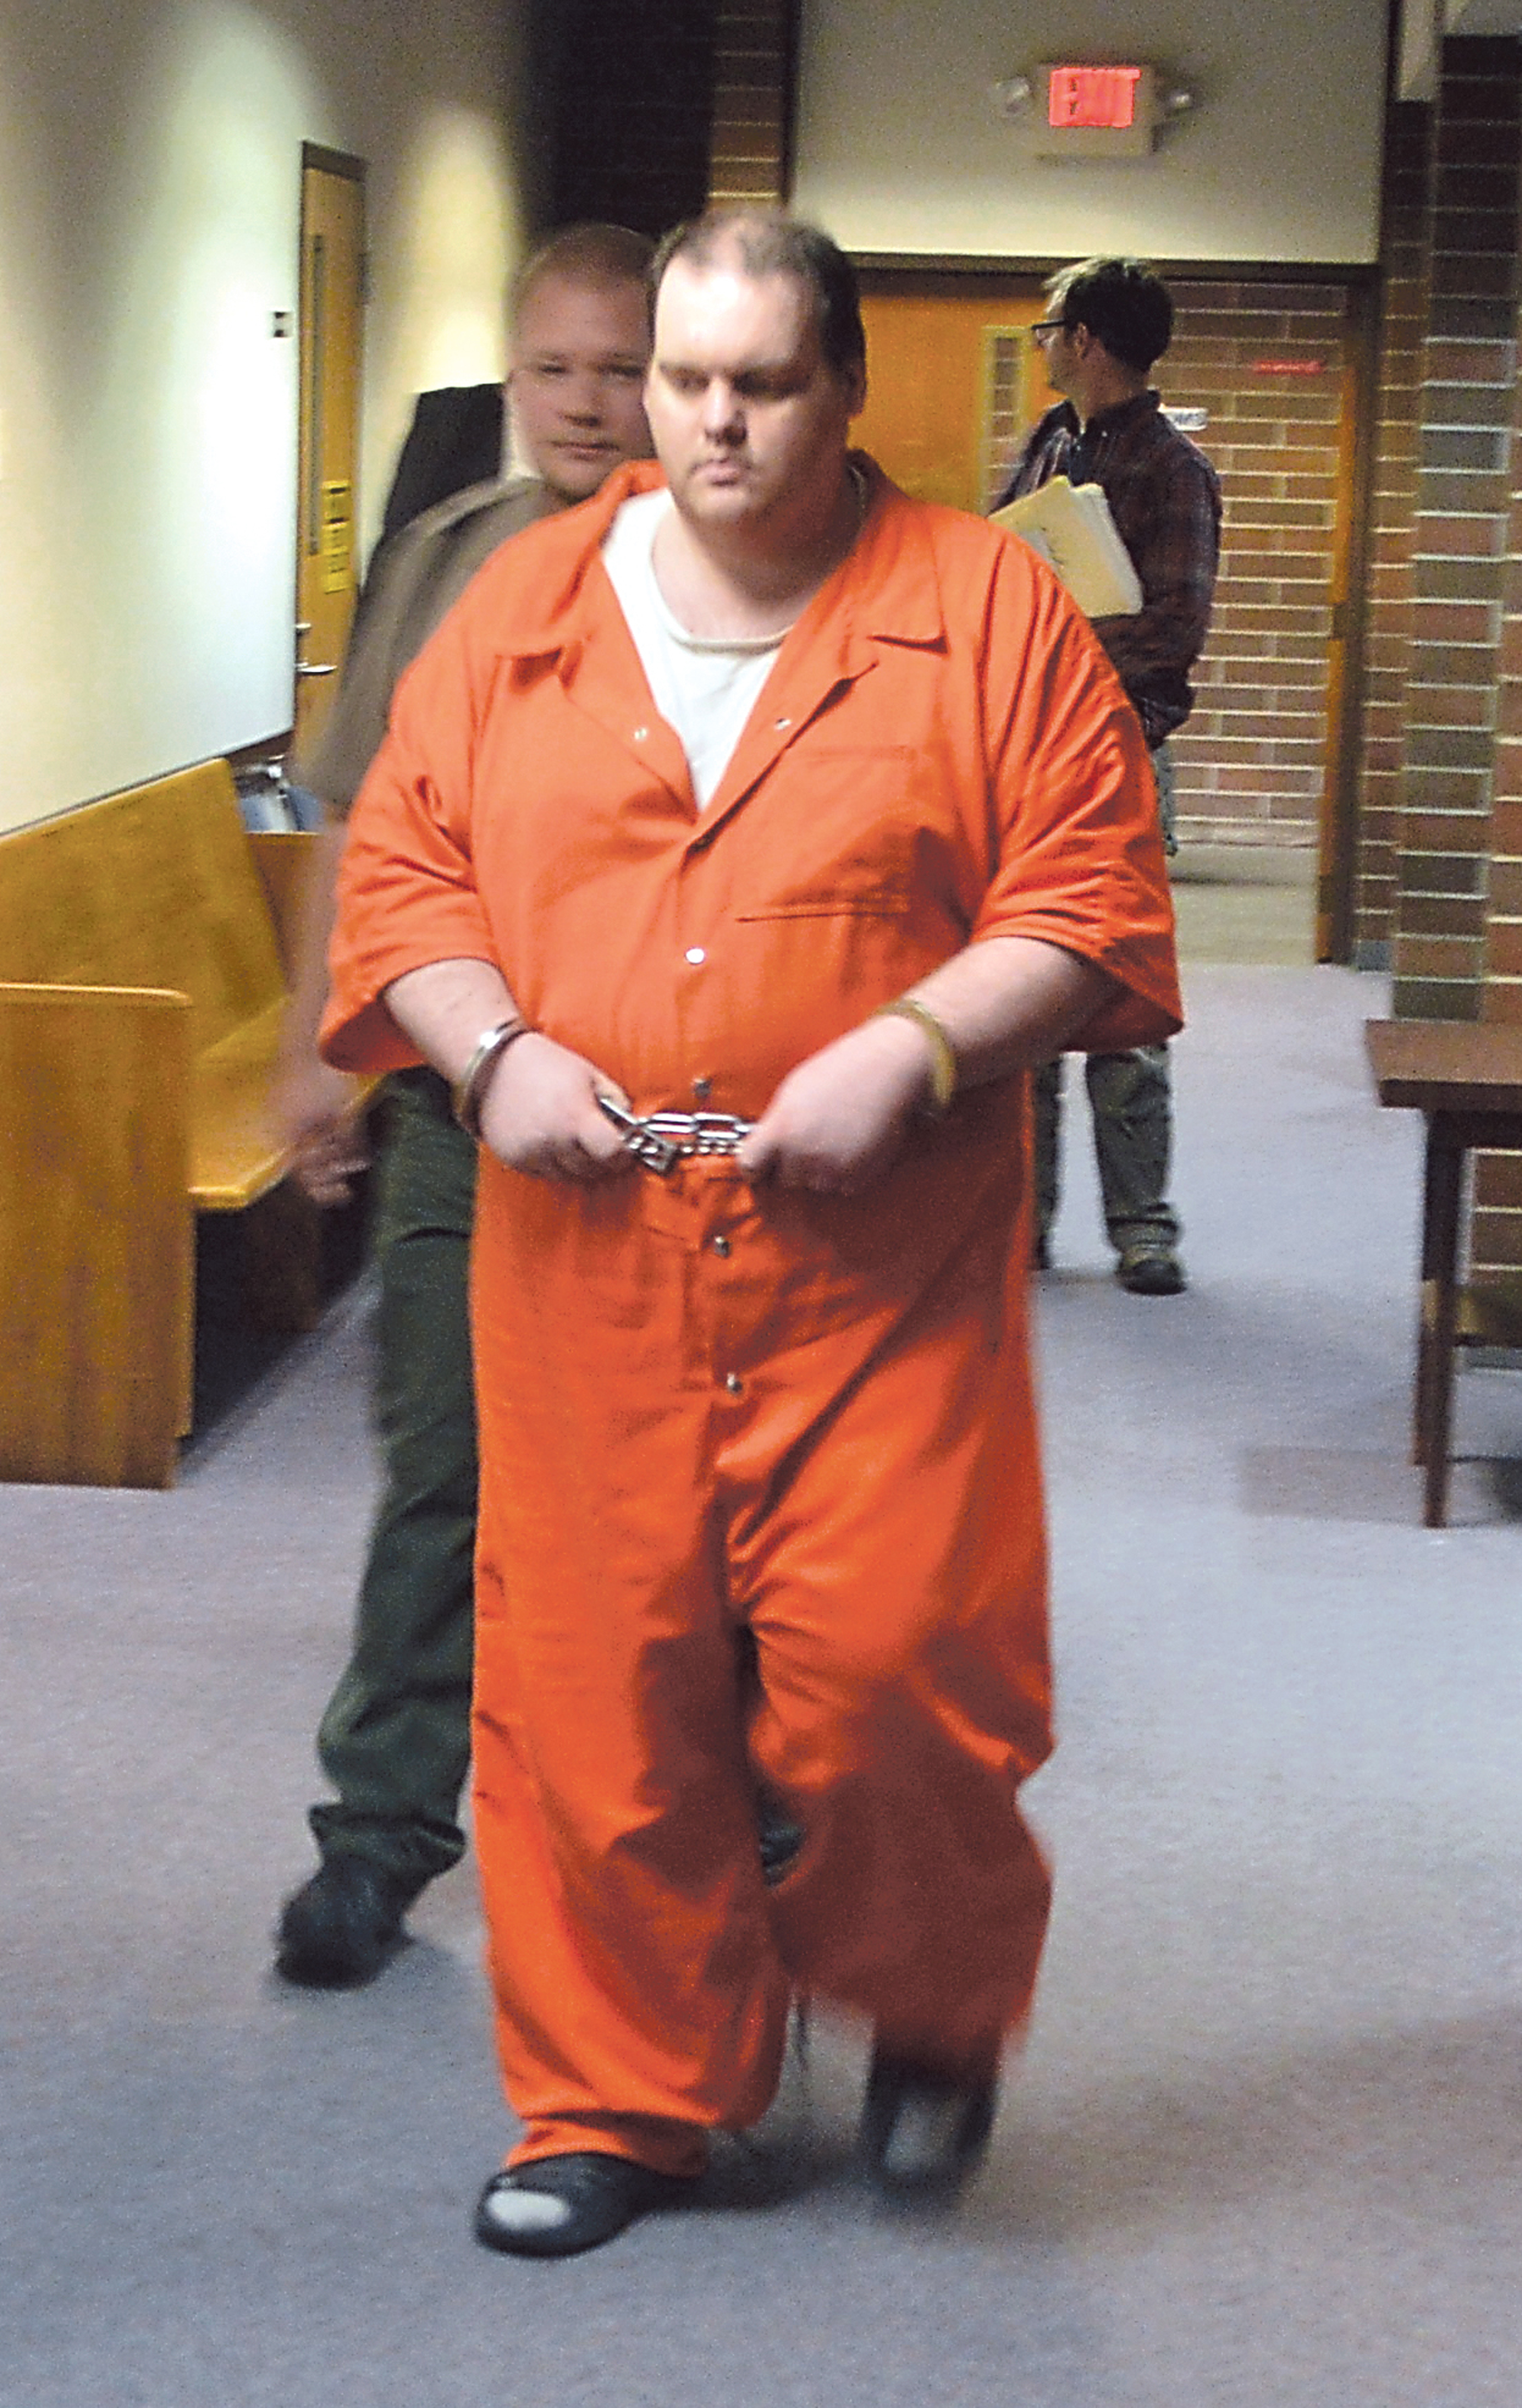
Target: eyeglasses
pixel 1045 327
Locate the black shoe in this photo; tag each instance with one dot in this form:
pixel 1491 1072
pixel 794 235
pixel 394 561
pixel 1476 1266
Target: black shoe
pixel 341 1927
pixel 1150 1271
pixel 924 2133
pixel 555 2206
pixel 1041 1251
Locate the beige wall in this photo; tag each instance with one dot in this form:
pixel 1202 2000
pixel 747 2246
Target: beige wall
pixel 149 181
pixel 900 147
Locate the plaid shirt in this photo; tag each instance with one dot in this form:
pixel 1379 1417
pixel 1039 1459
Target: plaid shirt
pixel 1166 503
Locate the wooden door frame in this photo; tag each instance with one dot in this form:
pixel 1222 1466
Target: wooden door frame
pixel 1336 902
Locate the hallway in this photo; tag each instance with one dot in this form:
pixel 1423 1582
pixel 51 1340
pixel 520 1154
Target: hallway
pixel 1263 2151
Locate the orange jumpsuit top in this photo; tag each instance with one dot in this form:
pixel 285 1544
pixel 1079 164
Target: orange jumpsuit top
pixel 941 754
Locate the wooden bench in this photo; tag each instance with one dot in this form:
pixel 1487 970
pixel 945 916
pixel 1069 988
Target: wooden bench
pixel 141 993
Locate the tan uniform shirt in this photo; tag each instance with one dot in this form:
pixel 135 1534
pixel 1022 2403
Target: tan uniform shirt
pixel 421 575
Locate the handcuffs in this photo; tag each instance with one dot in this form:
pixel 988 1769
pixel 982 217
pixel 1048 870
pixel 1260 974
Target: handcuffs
pixel 661 1140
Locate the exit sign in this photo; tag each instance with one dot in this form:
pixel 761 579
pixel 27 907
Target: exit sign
pixel 1092 95
pixel 1094 111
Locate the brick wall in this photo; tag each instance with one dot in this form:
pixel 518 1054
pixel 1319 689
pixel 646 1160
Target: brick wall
pixel 1496 1229
pixel 1392 502
pixel 1496 1226
pixel 1456 900
pixel 755 47
pixel 1252 759
pixel 1460 534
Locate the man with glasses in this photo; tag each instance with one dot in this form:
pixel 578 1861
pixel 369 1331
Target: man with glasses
pixel 1110 320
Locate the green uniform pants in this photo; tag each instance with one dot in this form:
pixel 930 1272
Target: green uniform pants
pixel 396 1739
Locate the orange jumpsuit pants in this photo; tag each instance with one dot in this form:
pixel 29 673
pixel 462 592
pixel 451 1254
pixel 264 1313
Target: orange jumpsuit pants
pixel 697 1435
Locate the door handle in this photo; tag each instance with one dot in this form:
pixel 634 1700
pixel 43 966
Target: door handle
pixel 310 668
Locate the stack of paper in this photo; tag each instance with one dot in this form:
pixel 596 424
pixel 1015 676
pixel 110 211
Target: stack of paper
pixel 1071 526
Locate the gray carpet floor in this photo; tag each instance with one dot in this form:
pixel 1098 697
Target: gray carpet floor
pixel 1263 2148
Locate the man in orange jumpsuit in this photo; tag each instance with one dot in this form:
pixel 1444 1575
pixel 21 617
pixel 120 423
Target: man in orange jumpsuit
pixel 806 818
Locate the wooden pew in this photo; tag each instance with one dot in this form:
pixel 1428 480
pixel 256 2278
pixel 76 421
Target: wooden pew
pixel 141 993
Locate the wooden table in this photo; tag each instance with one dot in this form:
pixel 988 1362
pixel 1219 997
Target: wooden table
pixel 1467 1078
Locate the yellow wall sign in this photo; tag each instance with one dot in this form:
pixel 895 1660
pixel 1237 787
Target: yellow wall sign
pixel 337 539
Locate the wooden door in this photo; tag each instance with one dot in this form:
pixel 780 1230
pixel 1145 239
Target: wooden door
pixel 332 346
pixel 954 378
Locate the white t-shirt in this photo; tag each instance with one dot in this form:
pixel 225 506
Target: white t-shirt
pixel 704 687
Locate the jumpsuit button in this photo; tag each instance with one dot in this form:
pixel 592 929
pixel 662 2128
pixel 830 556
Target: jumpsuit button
pixel 734 1383
pixel 783 725
pixel 640 735
pixel 702 1090
pixel 721 1246
pixel 696 955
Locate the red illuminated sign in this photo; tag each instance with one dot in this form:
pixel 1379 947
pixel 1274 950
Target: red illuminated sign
pixel 1093 96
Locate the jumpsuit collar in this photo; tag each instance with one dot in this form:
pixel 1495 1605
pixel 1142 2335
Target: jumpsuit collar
pixel 887 583
pixel 885 592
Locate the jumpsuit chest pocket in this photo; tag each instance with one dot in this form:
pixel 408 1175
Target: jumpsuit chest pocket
pixel 844 845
